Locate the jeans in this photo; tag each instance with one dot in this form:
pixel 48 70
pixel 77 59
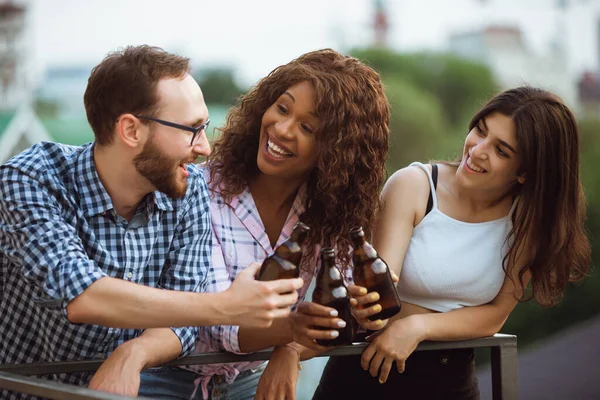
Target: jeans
pixel 178 384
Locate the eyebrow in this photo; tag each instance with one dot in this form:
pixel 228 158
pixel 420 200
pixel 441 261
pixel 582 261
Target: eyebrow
pixel 508 146
pixel 294 100
pixel 199 122
pixel 502 142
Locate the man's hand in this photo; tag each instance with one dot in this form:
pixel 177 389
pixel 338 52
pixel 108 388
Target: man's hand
pixel 119 373
pixel 279 380
pixel 253 303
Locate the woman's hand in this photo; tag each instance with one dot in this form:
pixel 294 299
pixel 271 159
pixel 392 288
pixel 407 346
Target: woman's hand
pixel 279 379
pixel 360 299
pixel 395 343
pixel 306 320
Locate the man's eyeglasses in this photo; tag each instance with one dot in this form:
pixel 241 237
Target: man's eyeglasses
pixel 195 130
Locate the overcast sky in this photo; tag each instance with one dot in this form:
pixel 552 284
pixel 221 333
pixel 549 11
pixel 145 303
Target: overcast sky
pixel 254 36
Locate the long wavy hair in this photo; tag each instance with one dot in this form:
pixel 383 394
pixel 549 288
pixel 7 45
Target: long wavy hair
pixel 352 144
pixel 548 223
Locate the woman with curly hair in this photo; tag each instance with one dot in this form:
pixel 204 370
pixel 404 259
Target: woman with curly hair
pixel 307 143
pixel 466 239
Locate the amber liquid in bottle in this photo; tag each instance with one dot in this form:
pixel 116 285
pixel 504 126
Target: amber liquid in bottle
pixel 371 272
pixel 285 262
pixel 330 291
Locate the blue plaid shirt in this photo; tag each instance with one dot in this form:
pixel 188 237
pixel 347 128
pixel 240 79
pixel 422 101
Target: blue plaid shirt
pixel 59 233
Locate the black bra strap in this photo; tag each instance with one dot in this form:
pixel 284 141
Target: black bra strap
pixel 434 176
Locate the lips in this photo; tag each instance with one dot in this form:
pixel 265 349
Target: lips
pixel 277 149
pixel 474 166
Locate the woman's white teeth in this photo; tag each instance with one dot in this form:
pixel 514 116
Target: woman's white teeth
pixel 473 166
pixel 276 150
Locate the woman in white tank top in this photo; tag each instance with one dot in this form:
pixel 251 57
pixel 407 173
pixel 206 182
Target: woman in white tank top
pixel 507 215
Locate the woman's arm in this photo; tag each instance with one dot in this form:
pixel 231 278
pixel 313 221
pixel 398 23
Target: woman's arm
pixel 404 199
pixel 402 336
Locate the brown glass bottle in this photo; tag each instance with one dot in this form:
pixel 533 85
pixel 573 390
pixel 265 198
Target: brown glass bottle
pixel 330 291
pixel 371 272
pixel 285 262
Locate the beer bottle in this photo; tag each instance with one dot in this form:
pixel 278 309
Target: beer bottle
pixel 330 291
pixel 285 262
pixel 371 272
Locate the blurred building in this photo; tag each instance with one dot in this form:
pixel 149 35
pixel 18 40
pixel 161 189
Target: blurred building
pixel 589 94
pixel 19 125
pixel 381 25
pixel 504 50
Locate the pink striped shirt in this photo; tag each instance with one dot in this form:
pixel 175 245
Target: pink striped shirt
pixel 239 239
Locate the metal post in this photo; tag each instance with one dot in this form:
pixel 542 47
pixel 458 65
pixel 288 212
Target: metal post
pixel 505 373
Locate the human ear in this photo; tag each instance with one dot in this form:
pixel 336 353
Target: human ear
pixel 129 130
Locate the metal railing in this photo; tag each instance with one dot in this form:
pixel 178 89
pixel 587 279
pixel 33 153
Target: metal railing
pixel 503 362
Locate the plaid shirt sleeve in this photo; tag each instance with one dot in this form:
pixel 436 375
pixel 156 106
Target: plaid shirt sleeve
pixel 35 237
pixel 189 257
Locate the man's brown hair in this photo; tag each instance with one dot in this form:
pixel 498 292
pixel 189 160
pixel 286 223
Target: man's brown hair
pixel 125 82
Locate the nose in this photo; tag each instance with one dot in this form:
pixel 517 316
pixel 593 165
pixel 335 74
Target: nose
pixel 479 150
pixel 202 145
pixel 284 128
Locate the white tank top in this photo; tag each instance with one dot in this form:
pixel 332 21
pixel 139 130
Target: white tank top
pixel 451 264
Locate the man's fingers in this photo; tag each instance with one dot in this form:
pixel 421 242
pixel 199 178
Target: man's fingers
pixel 285 285
pixel 250 270
pixel 315 309
pixel 286 300
pixel 280 313
pixel 395 278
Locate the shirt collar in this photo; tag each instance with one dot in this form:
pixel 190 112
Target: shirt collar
pixel 244 207
pixel 93 197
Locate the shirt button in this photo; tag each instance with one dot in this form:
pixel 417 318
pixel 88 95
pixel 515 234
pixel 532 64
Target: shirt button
pixel 216 392
pixel 218 379
pixel 130 275
pixel 100 355
pixel 444 360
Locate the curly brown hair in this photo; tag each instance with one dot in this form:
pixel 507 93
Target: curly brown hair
pixel 548 224
pixel 352 143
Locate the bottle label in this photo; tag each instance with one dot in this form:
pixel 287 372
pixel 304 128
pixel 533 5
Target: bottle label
pixel 339 292
pixel 334 274
pixel 378 266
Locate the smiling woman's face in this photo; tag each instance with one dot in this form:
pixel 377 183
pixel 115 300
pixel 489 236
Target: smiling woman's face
pixel 490 155
pixel 287 145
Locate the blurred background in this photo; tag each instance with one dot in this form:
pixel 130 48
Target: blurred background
pixel 440 60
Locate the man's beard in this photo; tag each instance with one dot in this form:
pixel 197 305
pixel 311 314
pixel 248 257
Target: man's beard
pixel 160 171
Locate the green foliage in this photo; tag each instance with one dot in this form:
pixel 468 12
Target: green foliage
pixel 460 85
pixel 219 86
pixel 416 124
pixel 432 99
